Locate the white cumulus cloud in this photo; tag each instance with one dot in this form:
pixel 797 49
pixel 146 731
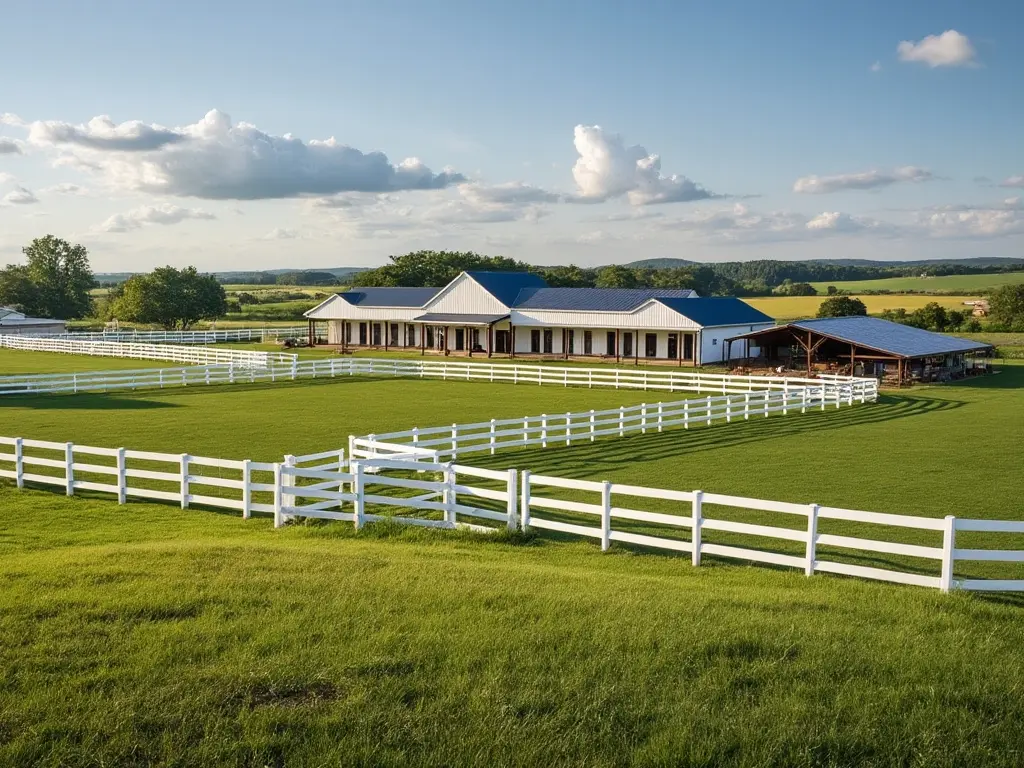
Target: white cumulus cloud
pixel 1013 181
pixel 950 49
pixel 818 185
pixel 9 146
pixel 20 196
pixel 217 159
pixel 511 193
pixel 165 214
pixel 607 168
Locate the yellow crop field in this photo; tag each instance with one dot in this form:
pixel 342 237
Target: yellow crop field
pixel 796 307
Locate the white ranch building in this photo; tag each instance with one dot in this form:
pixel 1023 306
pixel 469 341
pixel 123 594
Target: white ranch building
pixel 516 314
pixel 15 323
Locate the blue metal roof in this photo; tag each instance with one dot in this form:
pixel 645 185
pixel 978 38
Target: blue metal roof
pixel 595 299
pixel 717 311
pixel 389 297
pixel 884 336
pixel 505 286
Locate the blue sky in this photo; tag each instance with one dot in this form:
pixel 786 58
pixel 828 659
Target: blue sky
pixel 552 132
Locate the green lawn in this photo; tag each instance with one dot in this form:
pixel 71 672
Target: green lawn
pixel 16 361
pixel 945 283
pixel 147 635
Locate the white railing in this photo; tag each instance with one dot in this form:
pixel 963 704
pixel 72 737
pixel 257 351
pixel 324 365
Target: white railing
pixel 563 429
pixel 283 366
pixel 170 352
pixel 816 540
pixel 188 337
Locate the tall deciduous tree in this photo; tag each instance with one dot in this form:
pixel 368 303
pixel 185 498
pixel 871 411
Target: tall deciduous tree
pixel 171 298
pixel 1006 307
pixel 842 306
pixel 18 291
pixel 62 276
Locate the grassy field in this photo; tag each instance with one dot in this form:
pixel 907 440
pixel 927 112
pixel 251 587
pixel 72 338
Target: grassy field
pixel 18 361
pixel 147 635
pixel 799 307
pixel 945 283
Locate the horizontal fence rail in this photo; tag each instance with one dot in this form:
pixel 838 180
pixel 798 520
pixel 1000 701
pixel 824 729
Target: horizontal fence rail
pixel 187 337
pixel 327 485
pixel 131 350
pixel 283 366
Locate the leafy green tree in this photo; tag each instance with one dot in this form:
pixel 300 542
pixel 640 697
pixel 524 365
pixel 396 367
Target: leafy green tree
pixel 568 277
pixel 842 306
pixel 171 298
pixel 831 290
pixel 434 268
pixel 955 318
pixel 897 315
pixel 616 276
pixel 62 276
pixel 306 277
pixel 931 317
pixel 245 297
pixel 1006 307
pixel 789 288
pixel 18 291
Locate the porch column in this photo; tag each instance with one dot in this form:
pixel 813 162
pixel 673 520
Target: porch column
pixel 490 338
pixel 512 337
pixel 423 339
pixel 312 339
pixel 617 332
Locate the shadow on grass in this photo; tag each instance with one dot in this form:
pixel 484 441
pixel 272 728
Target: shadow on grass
pixel 85 401
pixel 580 459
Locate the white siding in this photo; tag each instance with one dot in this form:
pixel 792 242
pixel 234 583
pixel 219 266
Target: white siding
pixel 653 314
pixel 713 341
pixel 465 296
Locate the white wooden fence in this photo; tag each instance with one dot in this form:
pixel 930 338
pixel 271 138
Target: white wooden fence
pixel 188 337
pixel 178 354
pixel 562 429
pixel 326 485
pixel 289 367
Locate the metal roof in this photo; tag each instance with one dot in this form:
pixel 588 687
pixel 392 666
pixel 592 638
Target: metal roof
pixel 389 297
pixel 457 319
pixel 595 299
pixel 506 286
pixel 711 312
pixel 884 336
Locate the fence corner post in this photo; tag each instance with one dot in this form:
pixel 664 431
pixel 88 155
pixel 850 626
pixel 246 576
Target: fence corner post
pixel 69 468
pixel 449 497
pixel 695 528
pixel 524 507
pixel 606 515
pixel 19 462
pixel 278 497
pixel 812 539
pixel 184 481
pixel 948 546
pixel 357 491
pixel 246 489
pixel 512 492
pixel 122 477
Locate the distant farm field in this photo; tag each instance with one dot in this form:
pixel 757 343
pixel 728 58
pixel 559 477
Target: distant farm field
pixel 945 283
pixel 146 634
pixel 797 307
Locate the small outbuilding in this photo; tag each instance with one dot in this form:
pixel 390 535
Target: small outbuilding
pixel 15 323
pixel 865 346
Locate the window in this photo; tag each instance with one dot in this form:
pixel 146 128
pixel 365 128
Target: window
pixel 627 345
pixel 651 345
pixel 460 339
pixel 714 342
pixel 548 341
pixel 501 341
pixel 429 330
pixel 673 346
pixel 610 342
pixel 571 348
pixel 535 341
pixel 362 334
pixel 376 334
pixel 474 337
pixel 588 342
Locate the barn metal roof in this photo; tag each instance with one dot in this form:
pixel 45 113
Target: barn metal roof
pixel 892 338
pixel 710 312
pixel 389 297
pixel 457 319
pixel 594 299
pixel 506 286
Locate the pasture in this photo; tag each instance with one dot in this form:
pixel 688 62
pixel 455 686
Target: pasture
pixel 979 284
pixel 146 634
pixel 801 307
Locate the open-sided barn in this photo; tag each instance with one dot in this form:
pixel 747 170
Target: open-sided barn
pixel 518 314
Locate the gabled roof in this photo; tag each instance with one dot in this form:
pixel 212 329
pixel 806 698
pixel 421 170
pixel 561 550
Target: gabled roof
pixel 595 299
pixel 717 311
pixel 884 336
pixel 506 286
pixel 11 313
pixel 389 297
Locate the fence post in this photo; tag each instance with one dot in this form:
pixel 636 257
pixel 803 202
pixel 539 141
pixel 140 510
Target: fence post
pixel 568 428
pixel 278 497
pixel 543 430
pixel 524 508
pixel 697 522
pixel 606 515
pixel 449 497
pixel 184 481
pixel 526 431
pixel 69 468
pixel 746 407
pixel 812 538
pixel 122 477
pixel 246 489
pixel 19 462
pixel 492 436
pixel 592 425
pixel 643 418
pixel 511 492
pixel 948 545
pixel 295 364
pixel 622 420
pixel 728 409
pixel 455 441
pixel 352 445
pixel 686 414
pixel 357 491
pixel 709 410
pixel 661 417
pixel 803 400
